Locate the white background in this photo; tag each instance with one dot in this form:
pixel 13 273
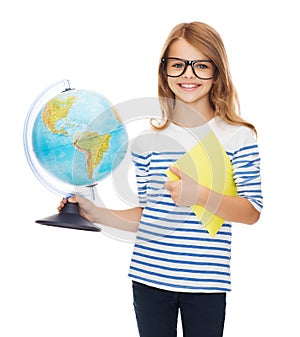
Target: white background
pixel 64 283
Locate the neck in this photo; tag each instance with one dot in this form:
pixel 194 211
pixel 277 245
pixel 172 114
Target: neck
pixel 187 115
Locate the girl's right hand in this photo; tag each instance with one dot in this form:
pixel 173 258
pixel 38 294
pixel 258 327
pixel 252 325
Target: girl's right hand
pixel 86 207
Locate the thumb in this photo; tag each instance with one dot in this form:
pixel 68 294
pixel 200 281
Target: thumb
pixel 176 171
pixel 72 199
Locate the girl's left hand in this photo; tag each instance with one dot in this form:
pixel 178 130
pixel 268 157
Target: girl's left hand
pixel 185 191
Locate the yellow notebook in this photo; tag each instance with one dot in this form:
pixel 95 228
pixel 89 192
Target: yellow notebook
pixel 208 164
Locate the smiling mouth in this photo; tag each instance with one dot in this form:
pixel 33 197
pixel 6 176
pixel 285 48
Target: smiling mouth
pixel 189 85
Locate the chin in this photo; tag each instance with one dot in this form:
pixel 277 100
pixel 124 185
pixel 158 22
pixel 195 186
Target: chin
pixel 187 100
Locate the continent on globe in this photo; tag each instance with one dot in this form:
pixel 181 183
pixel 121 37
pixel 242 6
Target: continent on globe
pixel 77 139
pixel 93 145
pixel 55 110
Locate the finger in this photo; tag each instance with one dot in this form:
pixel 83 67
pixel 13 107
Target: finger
pixel 180 174
pixel 169 185
pixel 72 199
pixel 61 205
pixel 176 171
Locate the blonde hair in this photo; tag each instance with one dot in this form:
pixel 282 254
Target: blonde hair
pixel 223 96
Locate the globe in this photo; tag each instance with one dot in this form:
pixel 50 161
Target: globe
pixel 73 138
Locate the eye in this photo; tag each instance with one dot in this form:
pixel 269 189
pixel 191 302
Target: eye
pixel 177 65
pixel 201 66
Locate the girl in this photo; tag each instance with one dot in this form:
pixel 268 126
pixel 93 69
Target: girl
pixel 176 264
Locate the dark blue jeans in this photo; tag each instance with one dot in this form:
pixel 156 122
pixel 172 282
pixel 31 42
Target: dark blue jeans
pixel 202 314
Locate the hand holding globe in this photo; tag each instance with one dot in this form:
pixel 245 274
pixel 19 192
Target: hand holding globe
pixel 86 209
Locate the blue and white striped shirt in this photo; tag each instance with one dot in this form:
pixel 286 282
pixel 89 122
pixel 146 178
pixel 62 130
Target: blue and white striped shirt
pixel 173 250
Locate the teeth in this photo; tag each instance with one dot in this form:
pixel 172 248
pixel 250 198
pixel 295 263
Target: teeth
pixel 189 86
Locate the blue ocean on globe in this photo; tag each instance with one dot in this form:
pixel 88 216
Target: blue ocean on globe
pixel 78 138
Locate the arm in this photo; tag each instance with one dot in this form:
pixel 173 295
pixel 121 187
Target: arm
pixel 186 192
pixel 236 209
pixel 127 220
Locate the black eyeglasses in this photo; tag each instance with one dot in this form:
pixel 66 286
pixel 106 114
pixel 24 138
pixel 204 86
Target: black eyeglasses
pixel 175 67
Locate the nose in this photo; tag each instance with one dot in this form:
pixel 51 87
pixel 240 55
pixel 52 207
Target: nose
pixel 188 73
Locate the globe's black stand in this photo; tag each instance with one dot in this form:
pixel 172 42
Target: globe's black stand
pixel 69 217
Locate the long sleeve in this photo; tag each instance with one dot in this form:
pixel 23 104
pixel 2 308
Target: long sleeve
pixel 247 175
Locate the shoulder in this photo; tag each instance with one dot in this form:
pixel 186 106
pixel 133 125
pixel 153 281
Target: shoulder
pixel 142 142
pixel 151 140
pixel 233 137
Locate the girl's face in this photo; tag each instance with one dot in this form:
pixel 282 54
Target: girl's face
pixel 188 88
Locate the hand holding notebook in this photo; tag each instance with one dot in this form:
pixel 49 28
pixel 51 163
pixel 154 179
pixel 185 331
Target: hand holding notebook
pixel 209 165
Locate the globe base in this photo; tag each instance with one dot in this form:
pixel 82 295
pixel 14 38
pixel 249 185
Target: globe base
pixel 70 218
